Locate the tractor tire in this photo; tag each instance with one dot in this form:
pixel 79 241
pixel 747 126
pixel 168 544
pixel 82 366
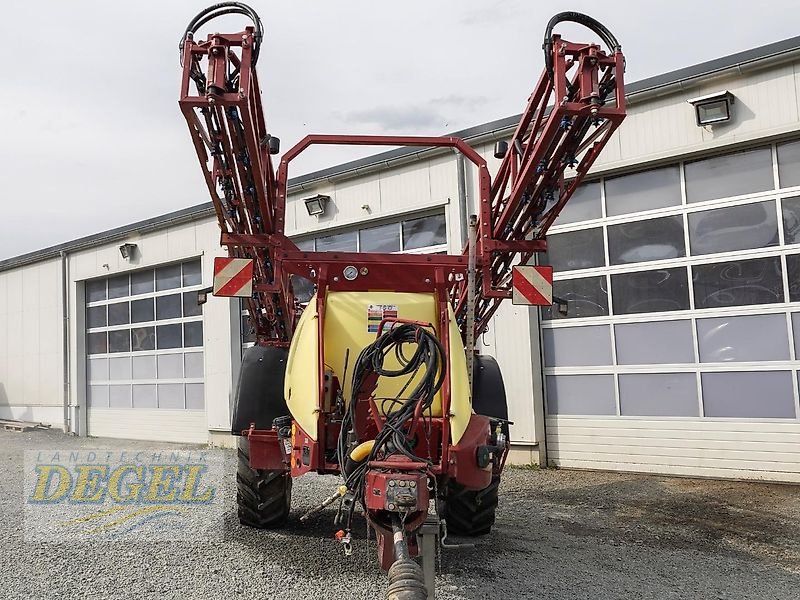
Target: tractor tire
pixel 263 497
pixel 471 512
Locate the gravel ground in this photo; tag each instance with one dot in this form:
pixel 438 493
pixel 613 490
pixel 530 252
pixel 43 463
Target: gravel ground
pixel 559 534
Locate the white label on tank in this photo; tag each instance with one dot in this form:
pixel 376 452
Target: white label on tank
pixel 377 313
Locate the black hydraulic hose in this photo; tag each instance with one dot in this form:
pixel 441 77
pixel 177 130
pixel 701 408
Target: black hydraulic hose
pixel 581 19
pixel 225 8
pixel 428 358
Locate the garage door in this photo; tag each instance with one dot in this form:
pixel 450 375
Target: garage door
pixel 144 364
pixel 679 352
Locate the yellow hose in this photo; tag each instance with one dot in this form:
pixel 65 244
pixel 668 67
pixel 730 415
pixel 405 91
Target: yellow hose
pixel 362 451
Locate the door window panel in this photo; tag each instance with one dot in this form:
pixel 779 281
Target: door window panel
pixel 729 175
pixel 743 338
pixel 735 228
pixel 168 278
pixel 193 334
pixel 585 204
pixel 306 245
pixel 195 396
pixel 170 395
pixel 583 249
pixel 577 346
pixel 658 395
pixel 142 282
pixel 98 396
pixel 119 396
pixel 98 369
pixel 96 316
pixel 193 364
pixel 118 314
pixel 168 307
pixel 341 242
pixel 580 395
pixel 789 164
pixel 790 207
pixel 97 343
pixel 423 232
pixel 642 241
pixel 384 238
pixel 738 283
pixel 95 290
pixel 650 291
pixel 143 338
pixel 142 310
pixel 144 367
pixel 119 368
pixel 191 273
pixel 748 394
pixel 119 341
pixel 168 336
pixel 585 296
pixel 635 345
pixel 170 366
pixel 793 274
pixel 190 306
pixel 118 287
pixel 144 396
pixel 647 190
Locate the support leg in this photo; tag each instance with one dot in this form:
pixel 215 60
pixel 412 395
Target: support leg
pixel 429 537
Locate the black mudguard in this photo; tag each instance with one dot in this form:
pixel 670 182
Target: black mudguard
pixel 488 390
pixel 259 392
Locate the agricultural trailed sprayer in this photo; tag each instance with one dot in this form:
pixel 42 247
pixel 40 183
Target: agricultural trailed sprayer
pixel 375 378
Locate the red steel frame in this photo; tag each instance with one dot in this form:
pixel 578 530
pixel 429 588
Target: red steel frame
pixel 515 210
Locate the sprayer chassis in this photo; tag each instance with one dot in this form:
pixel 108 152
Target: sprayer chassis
pixel 574 109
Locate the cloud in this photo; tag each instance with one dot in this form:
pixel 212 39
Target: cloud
pixel 396 117
pixel 436 113
pixel 493 14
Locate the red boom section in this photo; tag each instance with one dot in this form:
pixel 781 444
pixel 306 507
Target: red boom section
pixel 226 121
pixel 576 106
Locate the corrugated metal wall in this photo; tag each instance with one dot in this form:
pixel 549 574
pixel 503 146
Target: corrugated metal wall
pixel 31 368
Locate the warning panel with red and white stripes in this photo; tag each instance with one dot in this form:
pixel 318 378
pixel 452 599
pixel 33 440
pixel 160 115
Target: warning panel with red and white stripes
pixel 233 277
pixel 532 285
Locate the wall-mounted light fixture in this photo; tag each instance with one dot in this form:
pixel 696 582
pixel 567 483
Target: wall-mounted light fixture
pixel 713 108
pixel 127 251
pixel 202 295
pixel 317 205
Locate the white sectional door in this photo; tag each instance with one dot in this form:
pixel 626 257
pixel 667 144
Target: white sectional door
pixel 680 352
pixel 144 363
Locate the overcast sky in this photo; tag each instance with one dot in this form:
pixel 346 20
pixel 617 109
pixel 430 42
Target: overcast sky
pixel 92 137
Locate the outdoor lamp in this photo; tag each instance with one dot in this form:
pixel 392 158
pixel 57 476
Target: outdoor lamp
pixel 316 205
pixel 713 108
pixel 127 251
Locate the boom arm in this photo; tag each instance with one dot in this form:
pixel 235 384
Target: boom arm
pixel 576 106
pixel 226 121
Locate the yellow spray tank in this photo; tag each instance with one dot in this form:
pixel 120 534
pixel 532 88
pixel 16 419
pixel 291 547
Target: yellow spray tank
pixel 347 327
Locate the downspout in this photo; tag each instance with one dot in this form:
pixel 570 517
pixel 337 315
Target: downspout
pixel 463 211
pixel 65 337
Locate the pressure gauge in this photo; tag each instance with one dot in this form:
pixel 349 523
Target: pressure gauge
pixel 350 273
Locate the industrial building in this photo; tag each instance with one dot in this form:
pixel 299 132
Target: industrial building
pixel 679 259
